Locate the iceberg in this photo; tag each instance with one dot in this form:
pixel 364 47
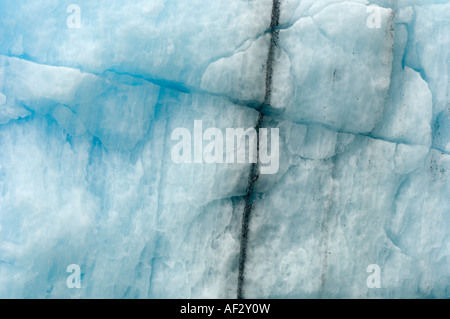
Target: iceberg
pixel 92 91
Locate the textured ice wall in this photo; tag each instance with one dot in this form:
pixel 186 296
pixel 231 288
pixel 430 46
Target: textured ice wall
pixel 86 177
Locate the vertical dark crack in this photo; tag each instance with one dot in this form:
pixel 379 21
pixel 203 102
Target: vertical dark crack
pixel 254 170
pixel 253 177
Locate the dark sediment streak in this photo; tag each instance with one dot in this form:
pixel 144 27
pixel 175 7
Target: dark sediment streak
pixel 254 170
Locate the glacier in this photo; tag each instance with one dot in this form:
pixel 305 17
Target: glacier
pixel 358 89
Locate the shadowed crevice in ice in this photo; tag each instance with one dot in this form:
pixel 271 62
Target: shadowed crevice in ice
pixel 133 79
pixel 254 171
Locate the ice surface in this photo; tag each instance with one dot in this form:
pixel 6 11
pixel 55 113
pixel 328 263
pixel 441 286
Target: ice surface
pixel 339 77
pixel 86 175
pixel 163 40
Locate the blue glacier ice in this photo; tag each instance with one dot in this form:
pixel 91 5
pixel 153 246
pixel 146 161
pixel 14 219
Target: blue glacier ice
pixel 359 91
